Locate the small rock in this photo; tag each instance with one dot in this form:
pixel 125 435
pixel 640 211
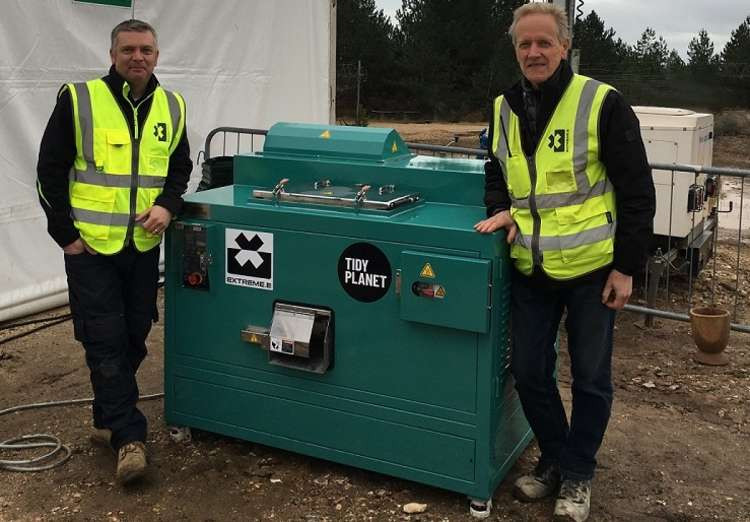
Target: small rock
pixel 414 507
pixel 275 481
pixel 649 384
pixel 339 507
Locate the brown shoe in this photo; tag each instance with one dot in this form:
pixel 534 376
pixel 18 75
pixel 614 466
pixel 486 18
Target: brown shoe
pixel 101 437
pixel 131 462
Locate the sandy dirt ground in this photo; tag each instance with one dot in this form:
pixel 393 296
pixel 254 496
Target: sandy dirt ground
pixel 676 448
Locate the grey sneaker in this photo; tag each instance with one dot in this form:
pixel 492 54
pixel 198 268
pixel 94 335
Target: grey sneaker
pixel 131 462
pixel 540 484
pixel 573 501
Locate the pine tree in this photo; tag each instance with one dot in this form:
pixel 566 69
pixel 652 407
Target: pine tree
pixel 735 63
pixel 601 54
pixel 456 53
pixel 701 54
pixel 364 34
pixel 651 52
pixel 735 58
pixel 675 63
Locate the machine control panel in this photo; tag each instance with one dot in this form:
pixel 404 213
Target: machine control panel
pixel 195 257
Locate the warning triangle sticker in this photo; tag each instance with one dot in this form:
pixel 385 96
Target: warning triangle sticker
pixel 427 271
pixel 325 135
pixel 440 292
pixel 254 339
pixel 394 148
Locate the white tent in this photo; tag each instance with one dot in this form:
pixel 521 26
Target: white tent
pixel 237 63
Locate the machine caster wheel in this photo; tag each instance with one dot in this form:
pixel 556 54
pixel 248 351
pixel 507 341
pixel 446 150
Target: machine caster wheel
pixel 480 508
pixel 180 433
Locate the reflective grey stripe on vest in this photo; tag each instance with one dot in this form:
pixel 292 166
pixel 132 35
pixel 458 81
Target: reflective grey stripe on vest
pixel 85 121
pixel 587 237
pixel 502 145
pixel 547 201
pixel 100 218
pixel 581 133
pixel 101 179
pixel 174 112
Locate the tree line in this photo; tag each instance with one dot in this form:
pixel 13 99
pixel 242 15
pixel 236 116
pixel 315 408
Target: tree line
pixel 447 59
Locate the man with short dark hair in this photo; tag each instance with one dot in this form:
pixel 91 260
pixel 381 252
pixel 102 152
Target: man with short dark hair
pixel 113 164
pixel 569 181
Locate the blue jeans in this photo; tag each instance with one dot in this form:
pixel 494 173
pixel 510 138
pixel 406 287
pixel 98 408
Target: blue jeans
pixel 536 314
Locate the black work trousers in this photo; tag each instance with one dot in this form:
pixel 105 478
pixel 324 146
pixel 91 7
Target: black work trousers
pixel 113 302
pixel 536 314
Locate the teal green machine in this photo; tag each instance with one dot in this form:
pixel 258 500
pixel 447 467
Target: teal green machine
pixel 337 302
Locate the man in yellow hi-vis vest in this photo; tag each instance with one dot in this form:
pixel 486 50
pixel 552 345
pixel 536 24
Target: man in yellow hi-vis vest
pixel 569 182
pixel 113 164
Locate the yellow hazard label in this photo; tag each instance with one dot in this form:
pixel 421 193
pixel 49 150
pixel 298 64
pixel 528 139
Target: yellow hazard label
pixel 427 271
pixel 326 135
pixel 394 148
pixel 440 292
pixel 254 339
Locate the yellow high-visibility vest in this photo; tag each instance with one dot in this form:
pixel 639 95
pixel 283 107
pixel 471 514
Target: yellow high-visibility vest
pixel 561 199
pixel 118 174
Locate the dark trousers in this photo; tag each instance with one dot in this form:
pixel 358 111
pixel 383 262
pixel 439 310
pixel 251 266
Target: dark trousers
pixel 113 302
pixel 536 314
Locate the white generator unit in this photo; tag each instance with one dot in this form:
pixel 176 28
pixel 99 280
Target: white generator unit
pixel 684 137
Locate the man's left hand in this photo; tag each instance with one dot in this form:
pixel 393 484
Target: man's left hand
pixel 154 219
pixel 617 290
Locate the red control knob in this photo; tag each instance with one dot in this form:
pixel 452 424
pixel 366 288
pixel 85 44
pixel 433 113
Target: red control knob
pixel 194 278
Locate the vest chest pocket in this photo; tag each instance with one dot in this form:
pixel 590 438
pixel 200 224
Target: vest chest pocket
pixel 155 165
pixel 518 180
pixel 118 153
pixel 560 182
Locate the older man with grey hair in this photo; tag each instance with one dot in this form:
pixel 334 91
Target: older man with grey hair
pixel 569 182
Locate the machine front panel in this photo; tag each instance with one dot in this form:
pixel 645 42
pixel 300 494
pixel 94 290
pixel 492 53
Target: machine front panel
pixel 375 348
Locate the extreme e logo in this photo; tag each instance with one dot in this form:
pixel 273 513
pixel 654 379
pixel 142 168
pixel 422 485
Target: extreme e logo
pixel 558 140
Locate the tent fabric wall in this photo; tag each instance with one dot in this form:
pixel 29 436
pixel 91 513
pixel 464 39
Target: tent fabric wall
pixel 237 63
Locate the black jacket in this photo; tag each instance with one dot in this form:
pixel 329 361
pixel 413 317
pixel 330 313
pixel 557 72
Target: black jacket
pixel 57 153
pixel 621 151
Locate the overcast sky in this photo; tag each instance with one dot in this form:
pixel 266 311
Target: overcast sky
pixel 678 21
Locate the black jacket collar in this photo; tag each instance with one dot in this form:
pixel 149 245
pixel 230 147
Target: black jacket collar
pixel 116 83
pixel 549 93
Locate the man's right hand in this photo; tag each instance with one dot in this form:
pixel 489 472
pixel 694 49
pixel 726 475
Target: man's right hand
pixel 78 247
pixel 500 220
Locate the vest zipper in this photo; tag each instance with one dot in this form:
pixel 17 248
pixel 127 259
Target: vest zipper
pixel 536 255
pixel 134 161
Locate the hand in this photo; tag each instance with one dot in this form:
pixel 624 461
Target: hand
pixel 154 219
pixel 617 290
pixel 78 247
pixel 500 220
